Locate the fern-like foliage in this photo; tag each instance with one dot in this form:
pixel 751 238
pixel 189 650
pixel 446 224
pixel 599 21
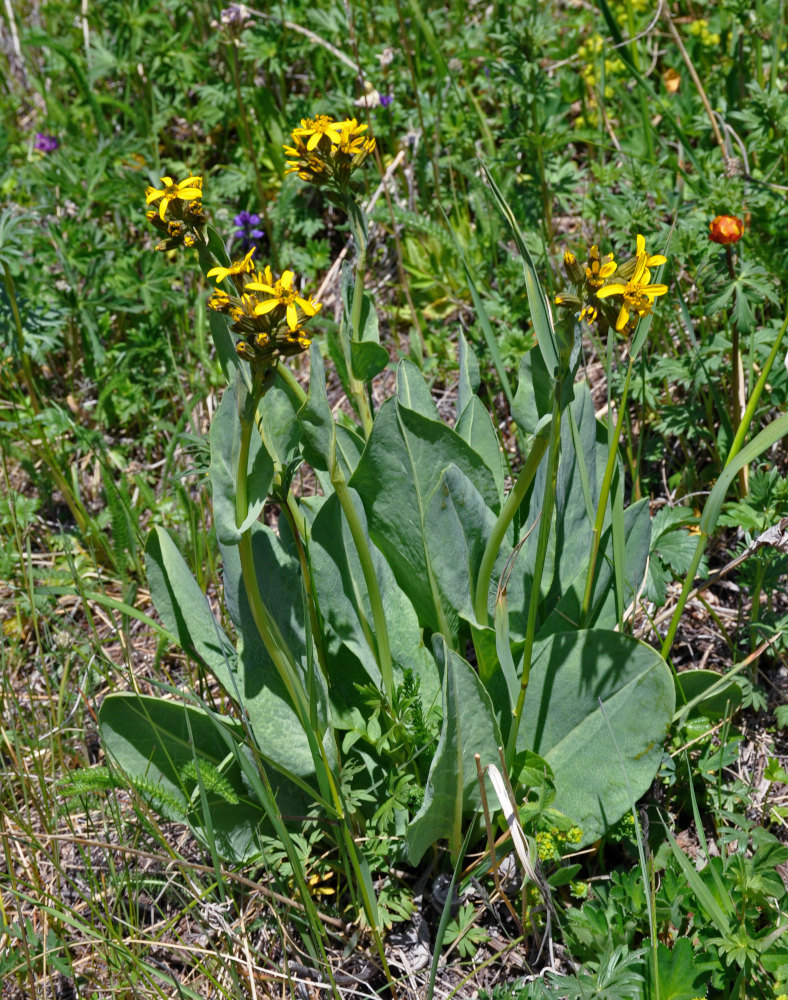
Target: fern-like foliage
pixel 86 781
pixel 205 774
pixel 412 223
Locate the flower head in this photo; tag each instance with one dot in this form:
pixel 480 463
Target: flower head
pixel 592 286
pixel 637 294
pixel 237 267
pixel 46 143
pixel 283 296
pixel 174 193
pixel 598 269
pixel 322 129
pixel 267 314
pixel 327 152
pixel 726 229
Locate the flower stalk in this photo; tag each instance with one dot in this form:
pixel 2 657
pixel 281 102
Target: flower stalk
pixel 545 527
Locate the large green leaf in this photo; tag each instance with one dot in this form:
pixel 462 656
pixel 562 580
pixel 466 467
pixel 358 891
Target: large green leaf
pixel 347 614
pixel 402 465
pixel 257 684
pixel 459 524
pixel 602 612
pixel 225 438
pixel 316 417
pixel 413 391
pixel 534 397
pixel 586 742
pixel 324 440
pixel 580 470
pixel 183 607
pixel 157 742
pixel 469 727
pixel 470 378
pixel 367 357
pixel 476 427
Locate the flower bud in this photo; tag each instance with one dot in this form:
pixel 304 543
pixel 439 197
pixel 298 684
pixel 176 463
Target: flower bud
pixel 726 229
pixel 573 270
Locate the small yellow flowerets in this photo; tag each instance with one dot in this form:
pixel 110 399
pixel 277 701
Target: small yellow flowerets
pixel 268 313
pixel 271 325
pixel 326 152
pixel 179 215
pixel 631 294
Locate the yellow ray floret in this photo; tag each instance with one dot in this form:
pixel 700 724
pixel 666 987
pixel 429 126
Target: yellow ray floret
pixel 187 190
pixel 284 294
pixel 237 267
pixel 637 294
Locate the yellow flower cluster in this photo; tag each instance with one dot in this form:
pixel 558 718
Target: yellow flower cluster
pixel 179 215
pixel 700 28
pixel 272 324
pixel 326 152
pixel 268 313
pixel 631 294
pixel 550 843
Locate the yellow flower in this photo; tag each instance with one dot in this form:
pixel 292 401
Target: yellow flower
pixel 313 130
pixel 637 294
pixel 651 261
pixel 351 141
pixel 219 301
pixel 237 267
pixel 283 294
pixel 599 269
pixel 172 190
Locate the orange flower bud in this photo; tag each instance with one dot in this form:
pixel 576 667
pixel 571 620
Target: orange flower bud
pixel 726 229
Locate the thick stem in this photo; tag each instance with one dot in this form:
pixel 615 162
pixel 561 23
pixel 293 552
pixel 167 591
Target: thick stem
pixel 357 389
pixel 545 527
pixel 266 626
pixel 737 379
pixel 381 634
pixel 306 576
pixel 604 493
pixel 505 518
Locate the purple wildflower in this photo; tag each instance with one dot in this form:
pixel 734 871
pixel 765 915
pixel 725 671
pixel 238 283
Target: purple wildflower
pixel 385 100
pixel 247 231
pixel 46 143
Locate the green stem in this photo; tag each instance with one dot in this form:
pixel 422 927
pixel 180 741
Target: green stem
pixel 381 634
pixel 545 528
pixel 306 576
pixel 738 441
pixel 505 518
pixel 604 493
pixel 356 387
pixel 266 626
pixel 291 382
pixel 737 377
